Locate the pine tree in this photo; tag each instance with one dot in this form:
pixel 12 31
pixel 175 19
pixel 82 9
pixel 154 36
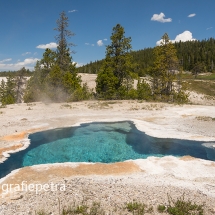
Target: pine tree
pixel 116 74
pixel 55 77
pixel 2 91
pixel 49 59
pixel 35 87
pixel 64 59
pixel 7 90
pixel 198 68
pixel 20 80
pixel 165 66
pixel 143 90
pixel 188 53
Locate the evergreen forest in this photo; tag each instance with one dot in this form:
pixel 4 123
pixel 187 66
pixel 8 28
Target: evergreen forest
pixel 189 53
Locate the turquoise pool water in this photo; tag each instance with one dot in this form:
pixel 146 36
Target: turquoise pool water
pixel 101 142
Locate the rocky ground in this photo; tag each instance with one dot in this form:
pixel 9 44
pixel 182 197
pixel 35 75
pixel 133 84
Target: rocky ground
pixel 111 192
pixel 147 181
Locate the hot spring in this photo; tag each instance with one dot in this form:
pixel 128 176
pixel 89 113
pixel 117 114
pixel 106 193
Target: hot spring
pixel 101 142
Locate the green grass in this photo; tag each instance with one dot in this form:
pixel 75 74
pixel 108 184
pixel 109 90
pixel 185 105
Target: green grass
pixel 42 212
pixel 31 104
pixel 100 105
pixel 135 207
pixel 207 88
pixel 66 106
pixel 180 206
pixel 80 209
pixel 205 118
pixel 185 76
pixel 210 77
pixel 161 208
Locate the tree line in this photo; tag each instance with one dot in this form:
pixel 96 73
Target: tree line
pixel 12 89
pixel 26 72
pixel 189 53
pixel 55 77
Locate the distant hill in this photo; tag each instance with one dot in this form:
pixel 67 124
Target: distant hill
pixel 189 53
pixel 27 73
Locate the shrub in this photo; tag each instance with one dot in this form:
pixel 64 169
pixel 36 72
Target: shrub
pixel 161 208
pixel 182 207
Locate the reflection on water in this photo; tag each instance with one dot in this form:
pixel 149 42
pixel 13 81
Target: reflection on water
pixel 101 142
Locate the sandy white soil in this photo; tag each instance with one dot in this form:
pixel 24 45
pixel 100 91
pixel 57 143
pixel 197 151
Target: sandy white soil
pixel 146 180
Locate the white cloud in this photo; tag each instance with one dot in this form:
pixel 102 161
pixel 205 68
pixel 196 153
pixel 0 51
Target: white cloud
pixel 159 42
pixel 183 37
pixel 5 60
pixel 28 63
pixel 26 53
pixel 160 18
pixel 47 46
pixel 88 44
pixel 78 64
pixel 209 28
pixel 191 15
pixel 99 43
pixel 72 11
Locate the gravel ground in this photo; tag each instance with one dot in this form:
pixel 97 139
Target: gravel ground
pixel 111 192
pixel 157 177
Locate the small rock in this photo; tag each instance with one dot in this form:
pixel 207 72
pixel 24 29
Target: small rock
pixel 16 197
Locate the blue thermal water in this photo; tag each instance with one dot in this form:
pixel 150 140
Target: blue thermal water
pixel 101 142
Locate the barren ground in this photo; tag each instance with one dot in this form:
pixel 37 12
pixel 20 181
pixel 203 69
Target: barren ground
pixel 148 180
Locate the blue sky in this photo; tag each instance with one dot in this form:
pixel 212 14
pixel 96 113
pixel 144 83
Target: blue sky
pixel 27 26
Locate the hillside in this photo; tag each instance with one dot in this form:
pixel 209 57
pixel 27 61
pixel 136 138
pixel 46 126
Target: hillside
pixel 189 53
